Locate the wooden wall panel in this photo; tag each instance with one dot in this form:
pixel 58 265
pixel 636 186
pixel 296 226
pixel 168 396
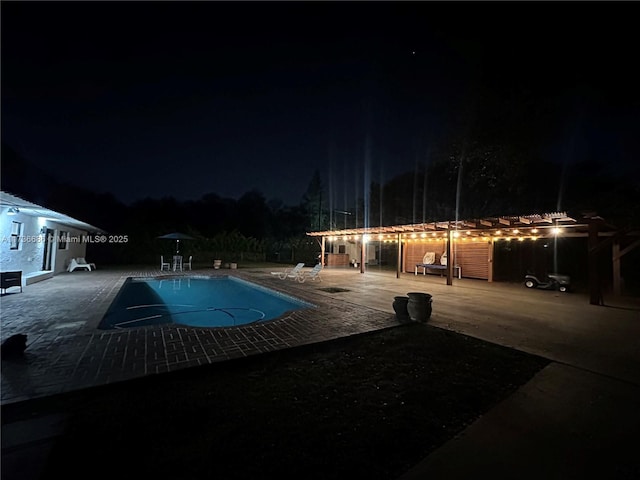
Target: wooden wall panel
pixel 472 257
pixel 337 259
pixel 414 252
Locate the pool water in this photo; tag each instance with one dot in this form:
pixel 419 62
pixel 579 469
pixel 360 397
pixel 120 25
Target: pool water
pixel 196 302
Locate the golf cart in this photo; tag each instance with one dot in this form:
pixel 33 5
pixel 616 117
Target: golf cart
pixel 553 281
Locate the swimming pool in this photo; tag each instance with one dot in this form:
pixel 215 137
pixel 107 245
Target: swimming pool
pixel 196 301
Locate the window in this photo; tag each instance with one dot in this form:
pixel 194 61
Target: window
pixel 16 230
pixel 342 249
pixel 63 241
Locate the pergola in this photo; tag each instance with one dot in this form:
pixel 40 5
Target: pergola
pixel 495 229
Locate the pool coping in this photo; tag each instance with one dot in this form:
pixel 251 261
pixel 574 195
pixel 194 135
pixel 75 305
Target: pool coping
pixel 289 298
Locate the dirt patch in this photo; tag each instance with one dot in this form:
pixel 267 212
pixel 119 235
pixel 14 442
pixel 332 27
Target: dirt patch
pixel 370 406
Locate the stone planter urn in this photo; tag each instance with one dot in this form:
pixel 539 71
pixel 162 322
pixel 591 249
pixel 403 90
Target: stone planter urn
pixel 419 306
pixel 400 307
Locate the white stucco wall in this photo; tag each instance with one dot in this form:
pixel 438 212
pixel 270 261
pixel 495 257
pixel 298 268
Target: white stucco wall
pixel 74 248
pixel 354 250
pixel 30 255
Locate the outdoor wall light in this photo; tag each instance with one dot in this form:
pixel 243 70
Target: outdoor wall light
pixel 43 230
pixel 13 211
pixel 555 231
pixel 534 230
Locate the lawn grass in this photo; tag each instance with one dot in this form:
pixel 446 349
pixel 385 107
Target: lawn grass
pixel 369 406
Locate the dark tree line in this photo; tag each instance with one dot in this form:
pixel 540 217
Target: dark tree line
pixel 475 180
pixel 250 220
pixel 464 180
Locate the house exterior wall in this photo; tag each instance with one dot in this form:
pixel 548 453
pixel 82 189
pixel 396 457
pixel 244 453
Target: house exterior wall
pixel 352 251
pixel 74 248
pixel 29 255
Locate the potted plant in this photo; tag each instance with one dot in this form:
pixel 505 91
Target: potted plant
pixel 419 306
pixel 400 304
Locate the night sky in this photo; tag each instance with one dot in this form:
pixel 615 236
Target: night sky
pixel 183 99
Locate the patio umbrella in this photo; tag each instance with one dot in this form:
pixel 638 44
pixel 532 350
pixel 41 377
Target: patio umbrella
pixel 177 236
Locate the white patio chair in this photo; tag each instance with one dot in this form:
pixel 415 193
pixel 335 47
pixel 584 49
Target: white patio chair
pixel 82 261
pixel 74 265
pixel 164 265
pixel 289 272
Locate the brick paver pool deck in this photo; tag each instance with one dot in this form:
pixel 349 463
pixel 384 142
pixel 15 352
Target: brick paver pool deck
pixel 66 351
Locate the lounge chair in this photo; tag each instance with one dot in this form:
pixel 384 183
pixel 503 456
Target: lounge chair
pixel 164 265
pixel 82 261
pixel 289 272
pixel 74 265
pixel 313 274
pixel 187 264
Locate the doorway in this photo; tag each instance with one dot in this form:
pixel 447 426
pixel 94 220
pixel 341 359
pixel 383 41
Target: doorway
pixel 48 250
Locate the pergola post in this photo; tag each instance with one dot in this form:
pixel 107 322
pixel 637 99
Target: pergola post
pixel 363 253
pixel 399 263
pixel 595 295
pixel 322 252
pixel 449 259
pixel 617 255
pixel 490 260
pixel 617 289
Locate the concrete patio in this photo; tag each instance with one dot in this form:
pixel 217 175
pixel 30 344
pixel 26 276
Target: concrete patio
pixel 585 399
